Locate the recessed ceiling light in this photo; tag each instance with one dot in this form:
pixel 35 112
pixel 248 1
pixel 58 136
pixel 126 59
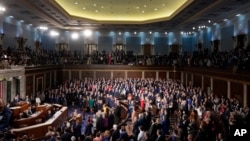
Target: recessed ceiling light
pixel 193 28
pixel 11 16
pixel 166 32
pixel 209 21
pixel 135 32
pixel 84 8
pixel 237 15
pixel 2 8
pixel 102 7
pixel 76 3
pixel 145 5
pixel 96 10
pixel 137 7
pixel 142 11
pixel 155 9
pixel 94 4
pixel 21 21
pixel 225 19
pixel 163 4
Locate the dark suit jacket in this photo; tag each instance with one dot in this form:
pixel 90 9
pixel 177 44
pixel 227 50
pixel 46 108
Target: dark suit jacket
pixel 115 135
pixel 152 131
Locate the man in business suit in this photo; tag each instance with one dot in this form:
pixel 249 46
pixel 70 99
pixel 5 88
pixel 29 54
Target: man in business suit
pixel 153 130
pixel 5 115
pixel 160 136
pixel 77 129
pixel 115 134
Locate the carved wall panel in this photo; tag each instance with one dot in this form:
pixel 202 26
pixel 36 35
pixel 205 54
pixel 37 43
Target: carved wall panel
pixel 149 74
pixel 118 74
pixel 162 75
pixel 87 74
pixel 103 74
pixel 134 74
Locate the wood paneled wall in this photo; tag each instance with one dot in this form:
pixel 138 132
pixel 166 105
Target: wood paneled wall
pixel 219 87
pixel 221 83
pixel 236 89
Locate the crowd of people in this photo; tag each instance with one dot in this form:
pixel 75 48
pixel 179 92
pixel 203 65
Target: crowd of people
pixel 167 111
pixel 237 59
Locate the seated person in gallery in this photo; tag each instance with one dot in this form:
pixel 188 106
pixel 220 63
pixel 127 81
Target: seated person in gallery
pixel 29 111
pixel 16 99
pixel 27 99
pixel 25 114
pixel 33 108
pixel 5 115
pixel 49 115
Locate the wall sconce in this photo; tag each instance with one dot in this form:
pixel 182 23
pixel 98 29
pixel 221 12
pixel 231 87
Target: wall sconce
pixel 2 35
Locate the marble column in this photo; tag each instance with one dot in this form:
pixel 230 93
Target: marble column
pixel 157 75
pixel 245 95
pixel 228 89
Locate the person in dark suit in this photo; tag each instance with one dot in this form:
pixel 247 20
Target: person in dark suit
pixel 99 123
pixel 123 134
pixel 153 130
pixel 88 129
pixel 5 115
pixel 160 136
pixel 136 125
pixel 77 129
pixel 25 114
pixel 66 136
pixel 111 119
pixel 115 134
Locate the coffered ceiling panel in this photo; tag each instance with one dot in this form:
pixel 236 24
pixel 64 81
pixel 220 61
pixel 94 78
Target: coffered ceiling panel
pixel 155 15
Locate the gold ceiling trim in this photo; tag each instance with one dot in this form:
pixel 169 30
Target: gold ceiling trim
pixel 154 18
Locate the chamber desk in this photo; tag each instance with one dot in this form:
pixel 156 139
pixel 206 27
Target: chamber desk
pixel 38 131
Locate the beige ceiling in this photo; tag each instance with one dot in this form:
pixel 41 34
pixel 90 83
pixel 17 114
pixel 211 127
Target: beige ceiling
pixel 123 11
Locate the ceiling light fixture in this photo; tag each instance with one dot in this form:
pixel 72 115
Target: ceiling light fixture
pixel 43 28
pixel 74 36
pixel 238 15
pixel 87 32
pixel 53 33
pixel 76 3
pixel 2 8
